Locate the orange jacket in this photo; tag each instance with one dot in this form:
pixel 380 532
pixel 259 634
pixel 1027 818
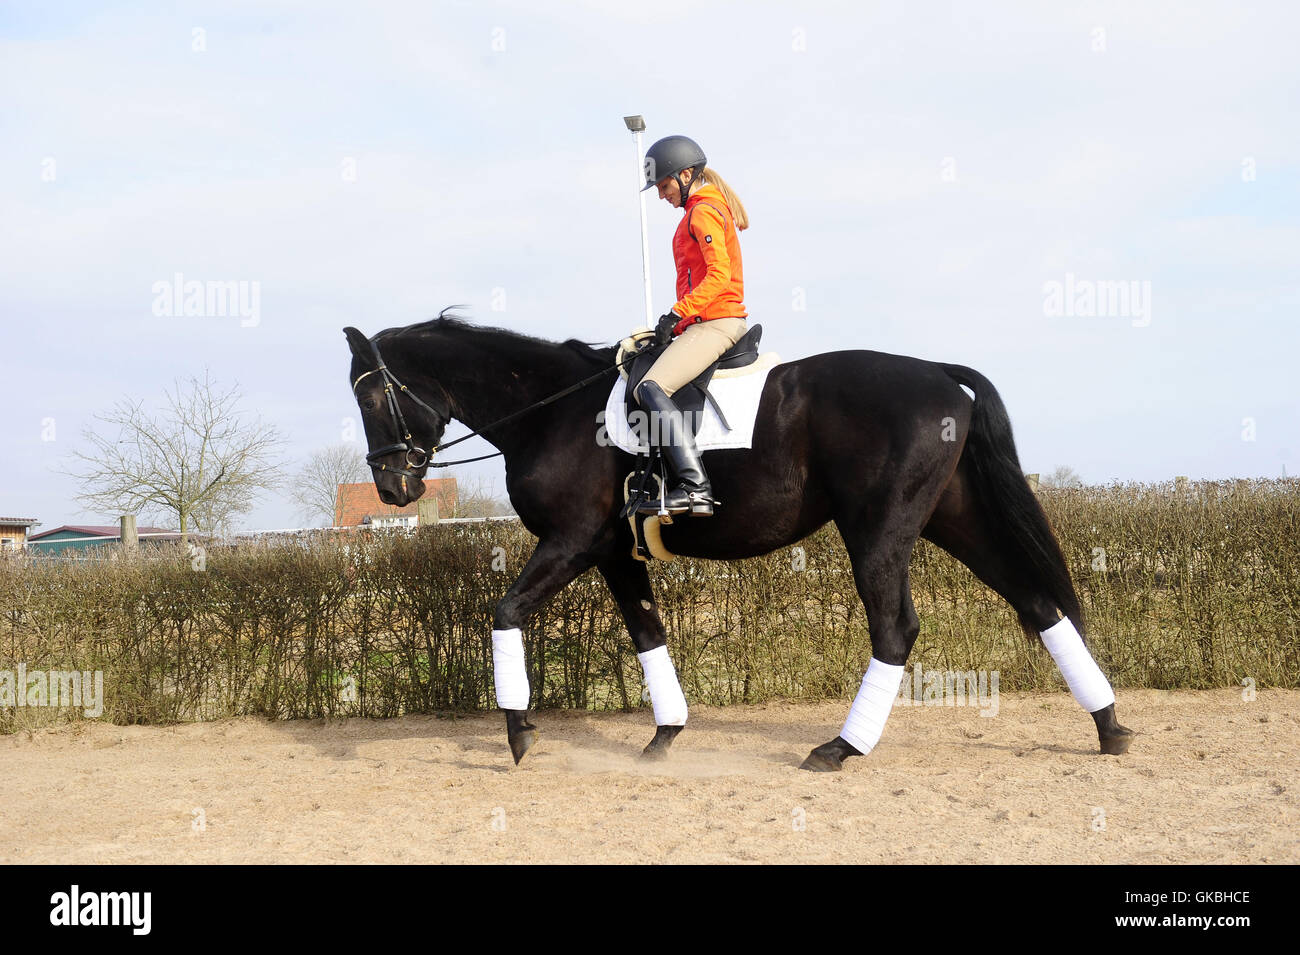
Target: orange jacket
pixel 710 281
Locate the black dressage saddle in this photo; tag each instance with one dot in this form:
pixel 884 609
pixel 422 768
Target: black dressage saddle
pixel 690 400
pixel 690 397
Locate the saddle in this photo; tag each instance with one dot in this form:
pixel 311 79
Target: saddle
pixel 689 399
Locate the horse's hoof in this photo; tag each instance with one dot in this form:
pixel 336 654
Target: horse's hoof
pixel 654 754
pixel 829 757
pixel 657 749
pixel 826 758
pixel 522 742
pixel 818 763
pixel 1115 739
pixel 521 733
pixel 1117 745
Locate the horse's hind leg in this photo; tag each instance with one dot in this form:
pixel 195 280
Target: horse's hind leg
pixel 960 527
pixel 880 558
pixel 629 582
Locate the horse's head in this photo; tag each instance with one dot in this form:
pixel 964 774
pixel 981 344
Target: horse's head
pixel 402 430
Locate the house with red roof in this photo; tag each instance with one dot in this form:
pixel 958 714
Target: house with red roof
pixel 357 504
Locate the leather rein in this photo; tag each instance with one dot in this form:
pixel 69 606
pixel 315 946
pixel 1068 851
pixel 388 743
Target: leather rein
pixel 417 457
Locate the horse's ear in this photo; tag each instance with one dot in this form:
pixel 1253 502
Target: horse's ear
pixel 358 342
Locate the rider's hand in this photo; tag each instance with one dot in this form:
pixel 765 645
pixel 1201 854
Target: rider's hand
pixel 664 330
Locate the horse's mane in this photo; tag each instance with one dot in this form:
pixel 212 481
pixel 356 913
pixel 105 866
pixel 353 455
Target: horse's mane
pixel 593 353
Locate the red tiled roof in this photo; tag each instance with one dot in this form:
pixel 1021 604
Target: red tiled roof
pixel 355 502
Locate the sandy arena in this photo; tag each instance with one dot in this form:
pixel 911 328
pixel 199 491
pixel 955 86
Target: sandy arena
pixel 1210 779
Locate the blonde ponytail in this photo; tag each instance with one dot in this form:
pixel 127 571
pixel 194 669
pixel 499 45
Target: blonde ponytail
pixel 710 176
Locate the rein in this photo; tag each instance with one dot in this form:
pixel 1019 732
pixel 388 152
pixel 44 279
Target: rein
pixel 424 459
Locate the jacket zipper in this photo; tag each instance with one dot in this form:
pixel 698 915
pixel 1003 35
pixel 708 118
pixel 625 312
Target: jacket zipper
pixel 689 286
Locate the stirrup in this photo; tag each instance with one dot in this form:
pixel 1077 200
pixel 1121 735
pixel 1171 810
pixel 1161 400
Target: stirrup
pixel 679 501
pixel 658 507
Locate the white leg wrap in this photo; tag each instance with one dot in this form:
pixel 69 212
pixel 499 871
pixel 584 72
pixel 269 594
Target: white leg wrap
pixel 665 692
pixel 871 706
pixel 508 671
pixel 1090 687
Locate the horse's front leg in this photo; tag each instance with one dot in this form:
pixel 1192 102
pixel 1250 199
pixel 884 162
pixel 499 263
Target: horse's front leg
pixel 551 568
pixel 629 582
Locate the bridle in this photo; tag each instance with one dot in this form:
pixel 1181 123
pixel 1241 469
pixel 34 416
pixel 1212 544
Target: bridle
pixel 416 457
pixel 423 458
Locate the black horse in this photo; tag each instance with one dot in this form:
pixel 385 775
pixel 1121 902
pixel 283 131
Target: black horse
pixel 888 447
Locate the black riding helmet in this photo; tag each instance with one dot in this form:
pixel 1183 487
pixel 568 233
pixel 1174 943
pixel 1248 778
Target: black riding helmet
pixel 669 157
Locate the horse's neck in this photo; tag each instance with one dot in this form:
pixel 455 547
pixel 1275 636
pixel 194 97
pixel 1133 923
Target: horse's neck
pixel 486 384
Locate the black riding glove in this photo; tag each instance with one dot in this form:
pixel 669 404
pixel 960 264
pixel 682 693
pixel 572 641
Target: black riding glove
pixel 664 330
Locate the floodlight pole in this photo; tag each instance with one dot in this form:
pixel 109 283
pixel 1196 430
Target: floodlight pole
pixel 637 125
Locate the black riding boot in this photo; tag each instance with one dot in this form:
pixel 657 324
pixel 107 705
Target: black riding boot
pixel 677 443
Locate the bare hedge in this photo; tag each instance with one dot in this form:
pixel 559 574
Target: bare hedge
pixel 1182 586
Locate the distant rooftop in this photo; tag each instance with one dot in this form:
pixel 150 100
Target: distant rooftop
pixel 356 502
pixel 99 530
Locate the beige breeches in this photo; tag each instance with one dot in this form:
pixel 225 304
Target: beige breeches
pixel 694 350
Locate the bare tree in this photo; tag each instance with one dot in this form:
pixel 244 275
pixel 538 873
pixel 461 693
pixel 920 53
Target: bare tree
pixel 477 497
pixel 199 462
pixel 316 486
pixel 1063 476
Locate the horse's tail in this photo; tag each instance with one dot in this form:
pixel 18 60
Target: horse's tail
pixel 1015 514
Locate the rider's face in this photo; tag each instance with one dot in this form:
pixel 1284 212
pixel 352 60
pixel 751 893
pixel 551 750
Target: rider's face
pixel 668 190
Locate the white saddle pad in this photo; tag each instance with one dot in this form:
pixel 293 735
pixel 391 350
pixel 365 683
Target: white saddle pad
pixel 739 397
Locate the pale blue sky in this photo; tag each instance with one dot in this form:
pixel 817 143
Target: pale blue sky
pixel 918 170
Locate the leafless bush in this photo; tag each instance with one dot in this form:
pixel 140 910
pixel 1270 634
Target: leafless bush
pixel 1194 586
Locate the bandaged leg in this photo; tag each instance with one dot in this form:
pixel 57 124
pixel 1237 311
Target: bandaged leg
pixel 871 706
pixel 1084 678
pixel 665 692
pixel 508 672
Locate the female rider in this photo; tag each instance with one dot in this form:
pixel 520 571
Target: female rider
pixel 709 316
